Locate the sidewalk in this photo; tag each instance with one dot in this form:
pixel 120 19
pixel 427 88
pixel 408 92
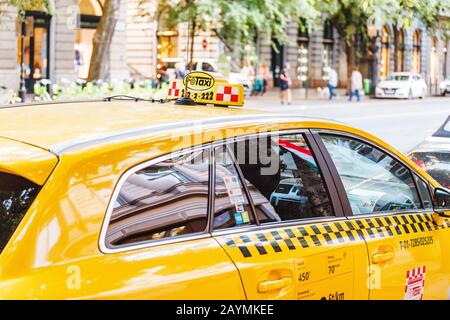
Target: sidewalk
pixel 300 97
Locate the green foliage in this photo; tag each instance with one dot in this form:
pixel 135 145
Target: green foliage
pixel 23 5
pixel 351 16
pixel 237 23
pixel 240 22
pixel 90 90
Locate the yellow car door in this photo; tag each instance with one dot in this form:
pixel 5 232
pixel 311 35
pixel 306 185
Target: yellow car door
pixel 391 207
pixel 278 216
pixel 155 236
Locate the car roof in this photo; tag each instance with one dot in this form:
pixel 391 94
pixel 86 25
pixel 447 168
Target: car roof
pixel 431 145
pixel 60 126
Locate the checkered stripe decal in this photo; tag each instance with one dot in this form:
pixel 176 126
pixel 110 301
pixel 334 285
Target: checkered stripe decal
pixel 227 94
pixel 174 89
pixel 346 231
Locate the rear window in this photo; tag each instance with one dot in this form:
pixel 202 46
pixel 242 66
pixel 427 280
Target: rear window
pixel 16 196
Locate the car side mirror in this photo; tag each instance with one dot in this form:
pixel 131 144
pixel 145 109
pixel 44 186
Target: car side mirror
pixel 441 200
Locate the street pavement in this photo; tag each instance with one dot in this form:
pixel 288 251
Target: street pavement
pixel 402 123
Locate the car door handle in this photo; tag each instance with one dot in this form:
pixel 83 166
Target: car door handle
pixel 271 285
pixel 382 257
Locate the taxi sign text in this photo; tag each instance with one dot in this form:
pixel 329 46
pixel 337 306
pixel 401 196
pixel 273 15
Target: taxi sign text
pixel 198 81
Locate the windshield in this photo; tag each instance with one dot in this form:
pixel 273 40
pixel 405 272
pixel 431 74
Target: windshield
pixel 16 196
pixel 397 77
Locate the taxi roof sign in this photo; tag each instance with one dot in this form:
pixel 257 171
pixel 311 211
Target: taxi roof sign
pixel 204 88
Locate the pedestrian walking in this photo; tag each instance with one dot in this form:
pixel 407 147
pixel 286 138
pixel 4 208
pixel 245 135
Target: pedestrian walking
pixel 356 84
pixel 332 82
pixel 264 74
pixel 248 71
pixel 285 85
pixel 180 71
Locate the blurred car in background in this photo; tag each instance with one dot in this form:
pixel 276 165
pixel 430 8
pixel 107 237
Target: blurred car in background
pixel 444 86
pixel 433 155
pixel 402 85
pixel 172 64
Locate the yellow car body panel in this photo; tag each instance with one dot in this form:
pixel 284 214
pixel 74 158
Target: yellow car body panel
pixel 30 162
pixel 54 253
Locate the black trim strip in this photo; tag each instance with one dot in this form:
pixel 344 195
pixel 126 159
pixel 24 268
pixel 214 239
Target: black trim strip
pixel 327 174
pixel 335 180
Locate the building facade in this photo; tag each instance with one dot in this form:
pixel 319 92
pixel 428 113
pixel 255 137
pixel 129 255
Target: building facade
pixel 310 54
pixel 60 47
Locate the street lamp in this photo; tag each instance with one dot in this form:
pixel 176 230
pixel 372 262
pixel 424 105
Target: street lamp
pixel 374 34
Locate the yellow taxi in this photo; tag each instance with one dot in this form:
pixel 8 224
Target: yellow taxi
pixel 123 199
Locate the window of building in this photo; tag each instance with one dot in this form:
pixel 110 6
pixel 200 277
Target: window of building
pixel 284 180
pixel 399 50
pixel 302 53
pixel 374 181
pixel 90 12
pixel 416 52
pixel 231 205
pixel 16 196
pixel 36 48
pixel 434 61
pixel 384 60
pixel 164 200
pixel 328 46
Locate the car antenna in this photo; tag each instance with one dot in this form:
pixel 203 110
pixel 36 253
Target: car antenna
pixel 185 100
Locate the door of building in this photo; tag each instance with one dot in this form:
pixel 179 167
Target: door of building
pixel 36 51
pixel 277 62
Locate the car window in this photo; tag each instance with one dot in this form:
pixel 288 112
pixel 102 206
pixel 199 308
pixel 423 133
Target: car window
pixel 191 66
pixel 283 178
pixel 164 200
pixel 231 205
pixel 424 193
pixel 374 181
pixel 16 196
pixel 207 67
pixel 397 77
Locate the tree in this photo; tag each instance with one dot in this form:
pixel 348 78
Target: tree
pixel 98 66
pixel 237 23
pixel 350 17
pixel 24 5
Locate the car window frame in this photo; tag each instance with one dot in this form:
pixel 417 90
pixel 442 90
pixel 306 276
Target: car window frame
pixel 340 184
pixel 332 191
pixel 156 242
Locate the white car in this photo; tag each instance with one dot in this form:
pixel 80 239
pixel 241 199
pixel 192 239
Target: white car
pixel 171 64
pixel 288 190
pixel 402 85
pixel 444 86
